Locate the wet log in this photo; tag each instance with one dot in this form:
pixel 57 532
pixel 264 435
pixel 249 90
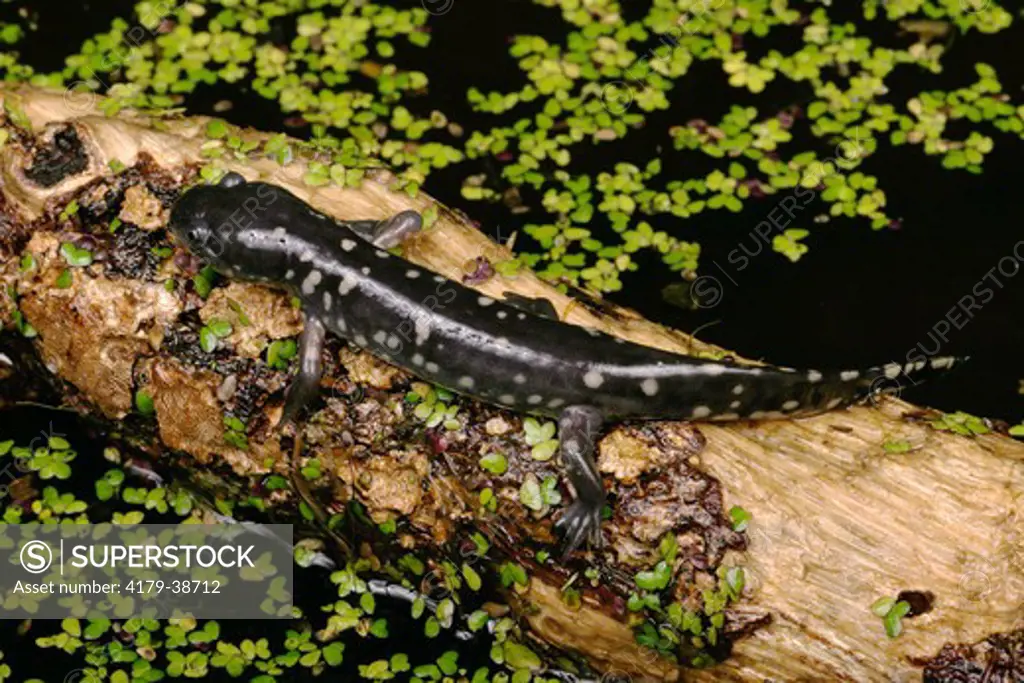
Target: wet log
pixel 837 520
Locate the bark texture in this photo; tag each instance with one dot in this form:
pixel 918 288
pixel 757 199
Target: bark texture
pixel 837 521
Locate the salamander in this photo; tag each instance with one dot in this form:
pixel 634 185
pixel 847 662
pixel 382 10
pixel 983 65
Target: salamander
pixel 496 351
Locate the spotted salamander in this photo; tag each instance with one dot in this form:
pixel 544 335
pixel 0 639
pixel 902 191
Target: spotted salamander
pixel 500 352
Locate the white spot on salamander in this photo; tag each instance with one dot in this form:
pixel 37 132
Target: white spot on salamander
pixel 507 399
pixel 833 403
pixel 555 403
pixel 502 315
pixel 519 378
pixel 347 284
pixel 735 404
pixel 433 367
pixel 892 370
pixel 738 389
pixel 791 405
pixel 766 415
pixel 360 340
pixel 649 386
pixel 381 253
pixel 393 342
pixel 412 274
pixel 849 375
pixel 311 281
pixel 365 270
pixel 327 301
pixel 813 376
pixel 307 256
pixel 593 379
pixel 341 327
pixel 534 399
pixel 348 245
pixel 485 301
pixel 700 412
pixel 712 369
pixel 380 337
pixel 289 274
pixel 466 382
pixel 943 362
pixel 417 359
pixel 422 328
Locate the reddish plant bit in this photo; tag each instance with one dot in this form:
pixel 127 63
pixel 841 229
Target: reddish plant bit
pixel 467 547
pixel 85 242
pixel 786 119
pixel 699 125
pixel 755 187
pixel 143 470
pixel 618 604
pixel 186 262
pixel 258 487
pixel 477 270
pixel 437 441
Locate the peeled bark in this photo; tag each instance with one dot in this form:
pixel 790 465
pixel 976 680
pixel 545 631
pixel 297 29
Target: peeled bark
pixel 837 520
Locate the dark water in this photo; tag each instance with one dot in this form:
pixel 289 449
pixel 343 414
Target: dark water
pixel 859 297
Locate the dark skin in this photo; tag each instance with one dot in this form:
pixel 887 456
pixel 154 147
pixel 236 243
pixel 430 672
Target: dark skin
pixel 507 353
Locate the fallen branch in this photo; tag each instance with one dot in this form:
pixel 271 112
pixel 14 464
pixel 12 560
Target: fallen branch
pixel 837 519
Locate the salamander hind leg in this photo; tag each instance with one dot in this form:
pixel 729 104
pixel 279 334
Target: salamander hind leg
pixel 578 429
pixel 390 232
pixel 306 384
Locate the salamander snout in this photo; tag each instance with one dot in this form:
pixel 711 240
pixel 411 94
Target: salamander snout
pixel 190 225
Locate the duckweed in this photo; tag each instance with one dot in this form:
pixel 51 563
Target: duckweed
pixel 352 76
pixel 599 83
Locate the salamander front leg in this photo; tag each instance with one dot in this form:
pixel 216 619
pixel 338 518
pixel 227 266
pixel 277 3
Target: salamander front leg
pixel 306 384
pixel 390 232
pixel 578 429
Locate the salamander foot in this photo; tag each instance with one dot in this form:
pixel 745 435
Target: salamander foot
pixel 306 384
pixel 578 429
pixel 390 232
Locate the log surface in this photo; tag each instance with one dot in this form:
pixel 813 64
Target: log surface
pixel 837 521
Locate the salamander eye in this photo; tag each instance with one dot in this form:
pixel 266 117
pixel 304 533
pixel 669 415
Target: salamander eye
pixel 198 231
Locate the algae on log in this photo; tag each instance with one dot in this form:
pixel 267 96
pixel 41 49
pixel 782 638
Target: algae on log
pixel 837 521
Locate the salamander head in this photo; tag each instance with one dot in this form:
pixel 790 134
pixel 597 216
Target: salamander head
pixel 190 223
pixel 219 225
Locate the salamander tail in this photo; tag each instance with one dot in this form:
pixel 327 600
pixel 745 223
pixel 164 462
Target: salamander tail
pixel 890 379
pixel 778 393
